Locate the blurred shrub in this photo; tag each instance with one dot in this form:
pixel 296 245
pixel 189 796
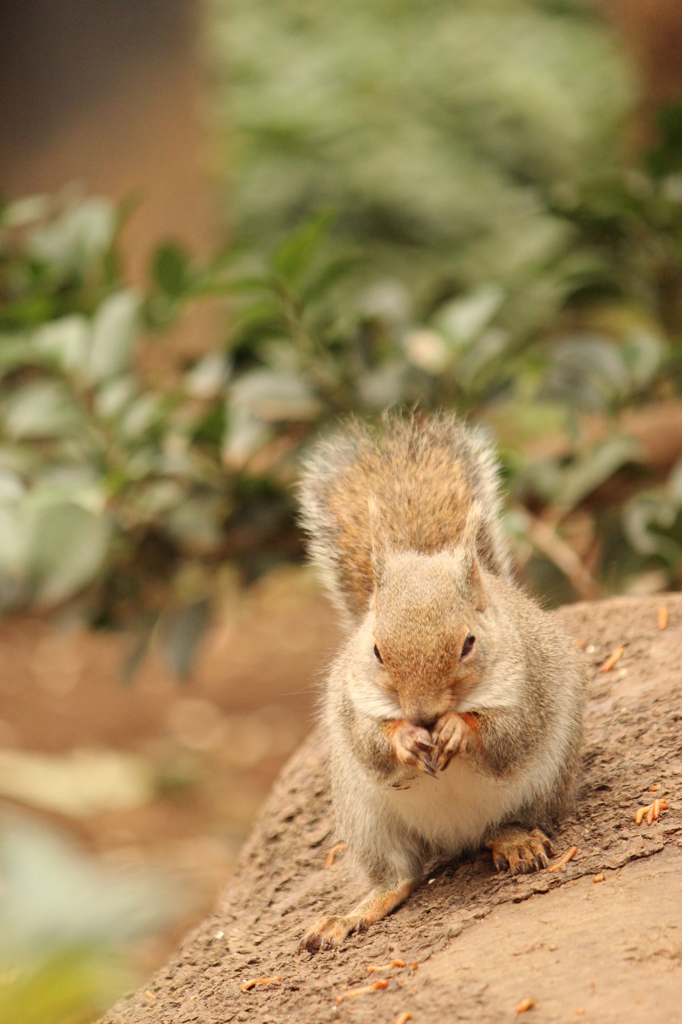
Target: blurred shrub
pixel 71 987
pixel 65 923
pixel 102 491
pixel 522 265
pixel 124 504
pixel 439 131
pixel 586 483
pixel 548 307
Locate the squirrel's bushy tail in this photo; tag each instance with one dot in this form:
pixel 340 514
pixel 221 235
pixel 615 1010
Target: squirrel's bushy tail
pixel 424 474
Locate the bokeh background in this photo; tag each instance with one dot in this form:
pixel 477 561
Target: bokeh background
pixel 223 224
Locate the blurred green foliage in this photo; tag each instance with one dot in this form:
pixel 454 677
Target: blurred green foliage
pixel 485 244
pixel 439 131
pixel 522 264
pixel 123 503
pixel 548 307
pixel 72 987
pixel 65 923
pixel 102 490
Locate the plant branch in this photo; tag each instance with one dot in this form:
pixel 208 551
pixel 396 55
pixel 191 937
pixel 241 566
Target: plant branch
pixel 562 554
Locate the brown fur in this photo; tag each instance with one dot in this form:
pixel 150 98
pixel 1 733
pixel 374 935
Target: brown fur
pixel 448 670
pixel 424 610
pixel 333 929
pixel 423 473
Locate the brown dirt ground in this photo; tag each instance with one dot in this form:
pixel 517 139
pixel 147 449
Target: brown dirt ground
pixel 600 951
pixel 61 691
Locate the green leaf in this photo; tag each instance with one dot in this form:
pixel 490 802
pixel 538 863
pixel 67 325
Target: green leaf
pixel 11 485
pixel 244 436
pixel 330 275
pixel 666 155
pixel 643 352
pixel 25 211
pixel 139 648
pixel 381 388
pixel 388 300
pixel 40 409
pixel 293 257
pixel 80 234
pixel 588 371
pixel 208 376
pixel 68 550
pixel 476 365
pixel 16 350
pixel 464 318
pixel 274 396
pixel 674 483
pixel 114 331
pixel 55 897
pixel 197 523
pixel 143 414
pixel 598 467
pixel 15 539
pixel 114 396
pixel 181 632
pixel 210 285
pixel 171 269
pixel 262 316
pixel 72 986
pixel 66 341
pixel 77 484
pixel 640 515
pixel 28 310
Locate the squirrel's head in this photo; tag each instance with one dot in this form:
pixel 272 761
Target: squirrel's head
pixel 428 612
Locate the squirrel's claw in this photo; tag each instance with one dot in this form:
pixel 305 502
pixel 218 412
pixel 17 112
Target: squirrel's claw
pixel 427 766
pixel 450 735
pixel 424 744
pixel 413 746
pixel 520 851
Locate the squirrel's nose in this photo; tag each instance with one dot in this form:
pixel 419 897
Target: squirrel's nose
pixel 425 719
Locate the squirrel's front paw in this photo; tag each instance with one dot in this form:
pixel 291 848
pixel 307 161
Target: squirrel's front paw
pixel 450 735
pixel 413 746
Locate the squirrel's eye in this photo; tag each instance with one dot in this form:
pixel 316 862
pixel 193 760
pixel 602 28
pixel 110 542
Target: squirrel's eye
pixel 468 646
pixel 377 655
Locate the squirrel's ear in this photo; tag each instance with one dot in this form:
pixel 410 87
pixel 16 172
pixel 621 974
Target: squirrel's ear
pixel 468 542
pixel 378 540
pixel 476 584
pixel 469 534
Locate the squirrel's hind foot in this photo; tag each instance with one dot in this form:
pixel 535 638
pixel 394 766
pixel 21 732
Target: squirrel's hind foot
pixel 331 931
pixel 328 932
pixel 521 851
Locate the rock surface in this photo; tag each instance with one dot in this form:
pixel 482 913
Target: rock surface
pixel 577 947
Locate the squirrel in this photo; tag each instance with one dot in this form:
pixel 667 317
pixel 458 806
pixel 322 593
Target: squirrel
pixel 453 713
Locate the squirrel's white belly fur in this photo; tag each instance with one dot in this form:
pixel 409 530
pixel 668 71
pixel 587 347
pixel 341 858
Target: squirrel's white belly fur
pixel 454 811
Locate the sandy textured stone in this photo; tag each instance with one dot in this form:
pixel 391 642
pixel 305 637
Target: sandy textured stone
pixel 483 941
